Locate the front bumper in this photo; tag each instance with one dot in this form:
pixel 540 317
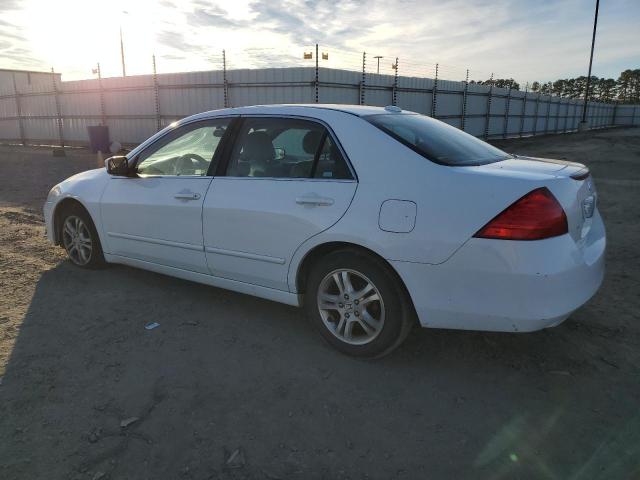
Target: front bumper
pixel 510 286
pixel 47 211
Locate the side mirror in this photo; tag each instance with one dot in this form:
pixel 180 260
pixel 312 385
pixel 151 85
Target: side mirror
pixel 117 165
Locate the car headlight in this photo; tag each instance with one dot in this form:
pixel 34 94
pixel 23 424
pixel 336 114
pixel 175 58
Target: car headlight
pixel 53 193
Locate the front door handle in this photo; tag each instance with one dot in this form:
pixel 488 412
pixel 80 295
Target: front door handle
pixel 187 196
pixel 314 200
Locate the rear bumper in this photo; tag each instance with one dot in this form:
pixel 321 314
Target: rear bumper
pixel 510 286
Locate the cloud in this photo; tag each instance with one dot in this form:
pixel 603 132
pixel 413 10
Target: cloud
pixel 170 38
pixel 306 22
pixel 513 38
pixel 171 56
pixel 207 15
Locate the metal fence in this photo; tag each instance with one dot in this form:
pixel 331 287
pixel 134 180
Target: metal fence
pixel 135 107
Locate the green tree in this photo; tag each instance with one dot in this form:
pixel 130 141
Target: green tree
pixel 606 89
pixel 559 87
pixel 628 86
pixel 626 89
pixel 500 83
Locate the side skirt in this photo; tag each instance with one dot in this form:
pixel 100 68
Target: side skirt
pixel 234 285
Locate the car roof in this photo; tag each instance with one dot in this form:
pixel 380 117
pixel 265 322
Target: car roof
pixel 297 109
pixel 322 111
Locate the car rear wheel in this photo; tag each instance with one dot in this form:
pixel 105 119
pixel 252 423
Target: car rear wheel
pixel 358 304
pixel 80 239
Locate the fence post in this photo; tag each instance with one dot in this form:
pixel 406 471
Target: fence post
pixel 535 115
pixel 575 114
pixel 600 114
pixel 506 114
pixel 18 111
pixel 225 85
pixel 58 114
pixel 317 84
pixel 546 122
pixel 364 64
pixel 633 116
pixel 524 109
pixel 434 95
pixel 156 92
pixel 488 117
pixel 555 130
pixel 464 100
pixel 615 113
pixel 394 99
pixel 103 110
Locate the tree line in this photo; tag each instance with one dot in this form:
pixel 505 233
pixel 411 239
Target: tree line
pixel 626 89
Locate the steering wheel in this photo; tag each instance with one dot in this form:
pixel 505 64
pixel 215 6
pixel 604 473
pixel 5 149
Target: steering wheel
pixel 190 162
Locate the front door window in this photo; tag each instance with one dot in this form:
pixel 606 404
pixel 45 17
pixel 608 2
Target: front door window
pixel 190 150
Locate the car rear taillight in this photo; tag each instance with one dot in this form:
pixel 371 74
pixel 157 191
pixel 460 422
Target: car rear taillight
pixel 535 216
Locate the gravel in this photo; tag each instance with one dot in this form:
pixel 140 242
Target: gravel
pixel 231 386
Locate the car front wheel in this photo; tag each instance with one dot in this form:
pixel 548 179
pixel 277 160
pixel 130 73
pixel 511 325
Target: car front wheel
pixel 80 239
pixel 358 304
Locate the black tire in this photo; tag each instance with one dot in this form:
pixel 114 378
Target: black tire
pixel 398 310
pixel 94 259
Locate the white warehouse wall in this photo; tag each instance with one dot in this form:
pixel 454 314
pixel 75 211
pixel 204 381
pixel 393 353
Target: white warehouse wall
pixel 137 106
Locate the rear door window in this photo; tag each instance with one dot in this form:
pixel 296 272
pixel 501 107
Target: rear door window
pixel 275 147
pixel 331 164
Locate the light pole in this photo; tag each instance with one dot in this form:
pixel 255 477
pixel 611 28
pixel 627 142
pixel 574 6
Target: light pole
pixel 124 71
pixel 378 57
pixel 583 123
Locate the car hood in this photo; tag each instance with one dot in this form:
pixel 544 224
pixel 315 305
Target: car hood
pixel 88 175
pixel 92 180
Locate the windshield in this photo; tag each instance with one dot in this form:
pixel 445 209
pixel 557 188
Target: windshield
pixel 437 141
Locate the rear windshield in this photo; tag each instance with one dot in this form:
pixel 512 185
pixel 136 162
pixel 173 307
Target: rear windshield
pixel 437 141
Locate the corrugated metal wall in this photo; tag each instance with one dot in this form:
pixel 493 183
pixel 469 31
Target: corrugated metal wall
pixel 135 107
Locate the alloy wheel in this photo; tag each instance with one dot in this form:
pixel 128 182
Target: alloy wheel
pixel 77 240
pixel 351 306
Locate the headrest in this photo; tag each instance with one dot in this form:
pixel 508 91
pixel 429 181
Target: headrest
pixel 258 148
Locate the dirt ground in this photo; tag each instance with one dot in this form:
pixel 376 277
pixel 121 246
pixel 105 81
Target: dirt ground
pixel 233 387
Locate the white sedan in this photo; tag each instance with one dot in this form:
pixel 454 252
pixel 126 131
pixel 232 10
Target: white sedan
pixel 371 218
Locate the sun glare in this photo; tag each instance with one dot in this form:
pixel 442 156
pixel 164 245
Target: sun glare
pixel 73 35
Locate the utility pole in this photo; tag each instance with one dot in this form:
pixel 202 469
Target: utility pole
pixel 124 72
pixel 378 57
pixel 583 123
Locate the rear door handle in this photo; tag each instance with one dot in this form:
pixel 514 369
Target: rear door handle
pixel 314 200
pixel 187 196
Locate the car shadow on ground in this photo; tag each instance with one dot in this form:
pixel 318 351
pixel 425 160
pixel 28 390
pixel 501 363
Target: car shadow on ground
pixel 231 386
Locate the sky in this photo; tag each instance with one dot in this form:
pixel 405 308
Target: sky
pixel 526 40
